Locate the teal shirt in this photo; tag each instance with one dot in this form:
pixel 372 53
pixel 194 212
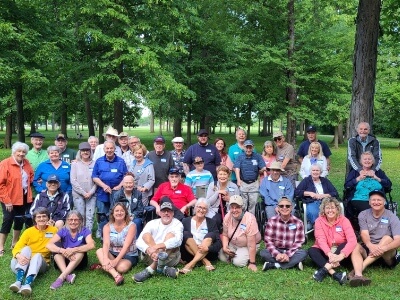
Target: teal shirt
pixel 195 179
pixel 364 187
pixel 36 157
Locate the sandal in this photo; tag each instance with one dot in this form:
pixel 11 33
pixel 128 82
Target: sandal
pixel 119 279
pixel 210 268
pixel 95 267
pixel 185 271
pixel 2 252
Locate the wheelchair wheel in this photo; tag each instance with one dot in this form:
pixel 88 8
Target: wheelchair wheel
pixel 260 217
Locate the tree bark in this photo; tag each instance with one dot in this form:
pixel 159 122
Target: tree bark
pixel 8 135
pixel 364 63
pixel 20 113
pixel 100 120
pixel 89 115
pixel 64 114
pixel 291 92
pixel 118 115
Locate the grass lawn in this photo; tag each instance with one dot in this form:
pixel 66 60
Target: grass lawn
pixel 226 281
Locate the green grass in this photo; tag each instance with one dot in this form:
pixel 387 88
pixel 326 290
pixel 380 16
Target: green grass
pixel 227 282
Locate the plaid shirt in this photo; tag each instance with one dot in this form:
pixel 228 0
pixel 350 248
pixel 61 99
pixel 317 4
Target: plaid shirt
pixel 280 235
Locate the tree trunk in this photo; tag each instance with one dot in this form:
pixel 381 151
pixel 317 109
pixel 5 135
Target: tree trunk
pixel 64 114
pixel 177 127
pixel 151 117
pixel 336 137
pixel 291 93
pixel 189 124
pixel 89 115
pixel 20 113
pixel 118 115
pixel 340 132
pixel 100 121
pixel 9 121
pixel 364 63
pixel 33 126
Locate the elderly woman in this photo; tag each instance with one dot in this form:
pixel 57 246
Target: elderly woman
pixel 201 242
pixel 220 144
pixel 30 255
pixel 83 187
pixel 143 170
pixel 94 142
pixel 335 240
pixel 16 175
pixel 312 190
pixel 55 200
pixel 360 183
pixel 219 193
pixel 54 165
pixel 119 253
pixel 268 155
pixel 70 246
pixel 240 236
pixel 315 156
pixel 132 199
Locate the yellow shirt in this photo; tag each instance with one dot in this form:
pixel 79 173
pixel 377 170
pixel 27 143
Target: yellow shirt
pixel 37 240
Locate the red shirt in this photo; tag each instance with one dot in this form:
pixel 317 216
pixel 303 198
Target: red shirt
pixel 180 196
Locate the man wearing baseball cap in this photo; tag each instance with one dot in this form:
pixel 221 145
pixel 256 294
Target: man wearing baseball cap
pixel 123 141
pixel 66 154
pixel 312 137
pixel 380 235
pixel 162 161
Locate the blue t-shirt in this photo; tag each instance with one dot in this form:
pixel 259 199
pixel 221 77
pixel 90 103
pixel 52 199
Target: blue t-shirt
pixel 304 146
pixel 249 166
pixel 45 169
pixel 68 241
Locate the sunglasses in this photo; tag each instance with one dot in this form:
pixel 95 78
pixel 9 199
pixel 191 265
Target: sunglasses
pixel 277 138
pixel 284 205
pixel 198 163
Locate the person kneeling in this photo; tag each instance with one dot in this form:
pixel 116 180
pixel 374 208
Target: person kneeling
pixel 160 241
pixel 284 236
pixel 380 233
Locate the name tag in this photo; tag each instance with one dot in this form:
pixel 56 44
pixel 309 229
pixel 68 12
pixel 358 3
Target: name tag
pixel 231 189
pixel 204 230
pixel 114 170
pixel 292 226
pixel 65 167
pixel 385 220
pixel 66 155
pixel 178 192
pixel 208 150
pixel 254 162
pixel 281 187
pixel 235 152
pixel 80 238
pixel 134 200
pixel 243 226
pixel 113 234
pixel 48 235
pixel 163 160
pixel 281 157
pixel 339 229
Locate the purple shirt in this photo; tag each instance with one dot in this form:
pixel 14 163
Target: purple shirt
pixel 69 242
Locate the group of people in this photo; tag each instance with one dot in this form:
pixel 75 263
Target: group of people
pixel 205 199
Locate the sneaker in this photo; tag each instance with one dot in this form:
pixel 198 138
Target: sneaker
pixel 26 290
pixel 396 260
pixel 268 266
pixel 357 280
pixel 162 255
pixel 15 287
pixel 340 277
pixel 320 274
pixel 141 276
pixel 300 266
pixel 351 274
pixel 70 278
pixel 171 272
pixel 57 284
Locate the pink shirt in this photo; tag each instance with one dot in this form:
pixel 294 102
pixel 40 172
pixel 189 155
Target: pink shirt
pixel 247 227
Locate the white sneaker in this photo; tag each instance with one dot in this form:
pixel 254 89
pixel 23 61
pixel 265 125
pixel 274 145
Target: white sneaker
pixel 16 286
pixel 300 266
pixel 26 290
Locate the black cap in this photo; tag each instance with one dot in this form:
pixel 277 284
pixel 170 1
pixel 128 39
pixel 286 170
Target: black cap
pixel 377 192
pixel 174 170
pixel 61 136
pixel 53 177
pixel 311 128
pixel 37 135
pixel 159 139
pixel 201 132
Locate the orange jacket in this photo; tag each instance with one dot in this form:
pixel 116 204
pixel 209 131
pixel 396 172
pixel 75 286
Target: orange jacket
pixel 11 191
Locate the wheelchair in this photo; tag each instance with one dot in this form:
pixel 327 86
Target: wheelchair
pixel 261 216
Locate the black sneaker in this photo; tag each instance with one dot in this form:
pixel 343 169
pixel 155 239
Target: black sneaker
pixel 320 274
pixel 340 277
pixel 268 266
pixel 171 272
pixel 141 276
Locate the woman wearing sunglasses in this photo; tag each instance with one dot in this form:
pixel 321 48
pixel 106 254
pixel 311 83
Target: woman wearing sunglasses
pixel 284 236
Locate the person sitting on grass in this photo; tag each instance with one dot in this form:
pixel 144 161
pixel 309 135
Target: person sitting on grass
pixel 201 242
pixel 160 241
pixel 240 236
pixel 71 253
pixel 335 240
pixel 30 255
pixel 380 235
pixel 284 236
pixel 199 179
pixel 118 254
pixel 55 200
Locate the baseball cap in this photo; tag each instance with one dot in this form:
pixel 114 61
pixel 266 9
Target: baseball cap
pixel 166 205
pixel 174 170
pixel 277 134
pixel 236 199
pixel 53 177
pixel 202 131
pixel 377 192
pixel 61 136
pixel 159 139
pixel 311 128
pixel 123 134
pixel 248 143
pixel 84 145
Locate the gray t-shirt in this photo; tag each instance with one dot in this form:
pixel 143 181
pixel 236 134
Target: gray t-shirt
pixel 387 224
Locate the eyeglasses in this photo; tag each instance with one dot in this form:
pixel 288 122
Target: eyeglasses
pixel 52 182
pixel 277 138
pixel 284 206
pixel 198 162
pixel 41 217
pixel 201 207
pixel 73 220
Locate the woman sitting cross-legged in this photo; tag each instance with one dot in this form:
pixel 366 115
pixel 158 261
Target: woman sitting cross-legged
pixel 76 241
pixel 30 255
pixel 335 240
pixel 201 240
pixel 119 253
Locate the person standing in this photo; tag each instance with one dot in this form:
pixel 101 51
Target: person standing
pixel 162 161
pixel 111 135
pixel 237 148
pixel 285 155
pixel 178 154
pixel 66 154
pixel 36 155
